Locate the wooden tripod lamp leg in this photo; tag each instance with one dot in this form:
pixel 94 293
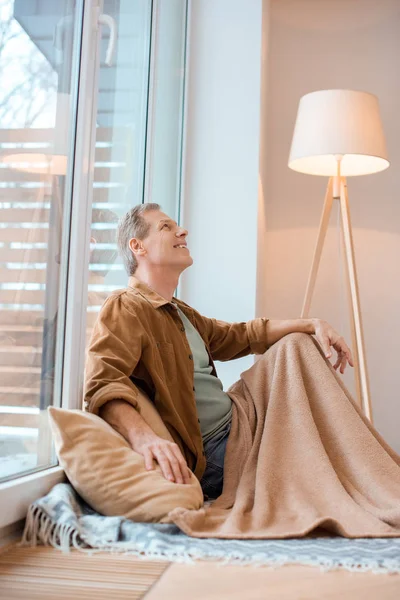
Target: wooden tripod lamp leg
pixel 360 364
pixel 354 349
pixel 323 226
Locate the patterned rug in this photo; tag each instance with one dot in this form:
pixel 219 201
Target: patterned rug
pixel 63 520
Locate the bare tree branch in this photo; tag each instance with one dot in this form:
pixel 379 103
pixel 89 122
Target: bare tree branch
pixel 29 73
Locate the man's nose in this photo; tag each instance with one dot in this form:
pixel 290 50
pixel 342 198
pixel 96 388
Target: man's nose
pixel 182 232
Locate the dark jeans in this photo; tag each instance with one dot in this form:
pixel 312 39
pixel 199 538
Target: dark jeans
pixel 214 448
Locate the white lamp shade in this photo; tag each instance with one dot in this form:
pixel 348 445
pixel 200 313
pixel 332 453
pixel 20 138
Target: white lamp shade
pixel 338 122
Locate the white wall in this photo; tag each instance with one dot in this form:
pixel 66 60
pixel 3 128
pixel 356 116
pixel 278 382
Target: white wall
pixel 317 45
pixel 221 163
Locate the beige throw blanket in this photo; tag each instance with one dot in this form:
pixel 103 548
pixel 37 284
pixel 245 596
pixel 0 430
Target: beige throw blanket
pixel 301 455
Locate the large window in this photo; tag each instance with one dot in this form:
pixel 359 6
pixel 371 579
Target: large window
pixel 128 147
pixel 39 54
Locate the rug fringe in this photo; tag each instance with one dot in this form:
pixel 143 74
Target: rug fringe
pixel 383 567
pixel 41 529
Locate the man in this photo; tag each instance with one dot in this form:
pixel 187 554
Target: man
pixel 147 339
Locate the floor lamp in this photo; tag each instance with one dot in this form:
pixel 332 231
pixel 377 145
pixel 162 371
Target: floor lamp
pixel 338 133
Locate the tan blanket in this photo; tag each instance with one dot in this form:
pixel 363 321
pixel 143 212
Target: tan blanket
pixel 301 455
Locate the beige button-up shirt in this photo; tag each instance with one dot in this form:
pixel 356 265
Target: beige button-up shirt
pixel 139 341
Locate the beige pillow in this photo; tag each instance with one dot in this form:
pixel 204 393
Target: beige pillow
pixel 109 475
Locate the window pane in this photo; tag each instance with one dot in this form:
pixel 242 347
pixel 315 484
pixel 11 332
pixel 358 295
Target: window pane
pixel 37 59
pixel 163 160
pixel 139 122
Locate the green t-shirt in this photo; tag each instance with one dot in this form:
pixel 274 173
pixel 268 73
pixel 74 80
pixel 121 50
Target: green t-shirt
pixel 214 406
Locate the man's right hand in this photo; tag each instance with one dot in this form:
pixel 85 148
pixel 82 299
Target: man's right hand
pixel 166 453
pixel 128 422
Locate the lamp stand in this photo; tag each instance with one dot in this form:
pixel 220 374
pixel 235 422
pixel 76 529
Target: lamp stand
pixel 337 190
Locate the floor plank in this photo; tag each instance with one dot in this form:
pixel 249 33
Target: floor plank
pixel 213 581
pixel 46 573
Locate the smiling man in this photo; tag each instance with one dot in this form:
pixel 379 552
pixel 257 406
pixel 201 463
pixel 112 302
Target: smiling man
pixel 146 339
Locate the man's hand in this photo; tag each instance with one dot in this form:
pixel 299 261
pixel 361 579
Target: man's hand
pixel 327 337
pixel 127 421
pixel 167 454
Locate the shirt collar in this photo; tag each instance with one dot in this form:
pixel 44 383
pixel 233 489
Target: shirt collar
pixel 148 293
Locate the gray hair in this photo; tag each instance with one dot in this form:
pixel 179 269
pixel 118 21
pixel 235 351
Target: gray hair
pixel 133 225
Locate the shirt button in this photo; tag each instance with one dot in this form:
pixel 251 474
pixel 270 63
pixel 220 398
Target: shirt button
pixel 182 329
pixel 190 356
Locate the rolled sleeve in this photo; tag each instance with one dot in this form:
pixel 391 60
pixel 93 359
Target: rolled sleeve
pixel 228 341
pixel 257 334
pixel 109 392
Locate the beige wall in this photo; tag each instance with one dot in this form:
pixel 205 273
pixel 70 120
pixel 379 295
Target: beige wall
pixel 320 44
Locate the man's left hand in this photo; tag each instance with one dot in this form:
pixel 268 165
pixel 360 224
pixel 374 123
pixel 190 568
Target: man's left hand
pixel 327 337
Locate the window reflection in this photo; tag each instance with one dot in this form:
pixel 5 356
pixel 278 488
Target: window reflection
pixel 35 138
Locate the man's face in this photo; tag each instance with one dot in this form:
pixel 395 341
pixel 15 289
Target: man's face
pixel 165 244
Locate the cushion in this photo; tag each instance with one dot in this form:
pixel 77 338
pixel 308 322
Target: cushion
pixel 109 475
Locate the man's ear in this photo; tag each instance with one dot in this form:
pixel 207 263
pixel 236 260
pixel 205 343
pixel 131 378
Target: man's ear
pixel 136 246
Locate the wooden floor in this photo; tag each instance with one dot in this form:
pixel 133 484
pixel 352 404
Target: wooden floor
pixel 46 573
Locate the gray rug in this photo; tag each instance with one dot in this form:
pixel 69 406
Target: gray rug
pixel 63 520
